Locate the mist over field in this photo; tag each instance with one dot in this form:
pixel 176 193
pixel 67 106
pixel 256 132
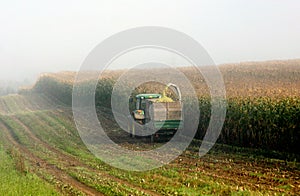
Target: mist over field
pixel 153 118
pixel 53 36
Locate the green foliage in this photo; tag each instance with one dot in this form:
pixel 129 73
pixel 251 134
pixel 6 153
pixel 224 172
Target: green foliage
pixel 13 182
pixel 103 92
pixel 62 91
pixel 19 160
pixel 263 122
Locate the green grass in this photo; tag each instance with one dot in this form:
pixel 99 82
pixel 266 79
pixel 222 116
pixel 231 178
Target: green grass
pixel 13 182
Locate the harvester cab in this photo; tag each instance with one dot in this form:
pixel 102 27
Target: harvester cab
pixel 140 105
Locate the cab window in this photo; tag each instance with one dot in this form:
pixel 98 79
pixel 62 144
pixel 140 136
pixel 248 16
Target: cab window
pixel 143 104
pixel 138 101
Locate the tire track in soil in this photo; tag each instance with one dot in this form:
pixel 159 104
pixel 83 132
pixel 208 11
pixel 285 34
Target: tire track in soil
pixel 38 163
pixel 253 182
pixel 70 161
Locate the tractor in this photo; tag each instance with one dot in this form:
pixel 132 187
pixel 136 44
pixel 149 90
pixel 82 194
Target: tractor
pixel 157 112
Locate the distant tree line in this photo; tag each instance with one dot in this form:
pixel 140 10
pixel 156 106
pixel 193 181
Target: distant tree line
pixel 11 87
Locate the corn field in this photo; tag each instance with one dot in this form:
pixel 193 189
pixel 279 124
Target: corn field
pixel 266 123
pixel 263 108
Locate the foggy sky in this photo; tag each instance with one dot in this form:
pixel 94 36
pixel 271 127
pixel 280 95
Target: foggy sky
pixel 41 36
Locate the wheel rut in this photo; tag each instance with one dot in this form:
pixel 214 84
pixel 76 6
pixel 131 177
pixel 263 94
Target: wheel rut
pixel 70 161
pixel 38 164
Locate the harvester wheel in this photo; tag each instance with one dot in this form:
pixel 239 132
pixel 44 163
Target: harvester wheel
pixel 152 138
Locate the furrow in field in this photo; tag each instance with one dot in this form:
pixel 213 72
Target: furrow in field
pixel 263 176
pixel 69 161
pixel 38 164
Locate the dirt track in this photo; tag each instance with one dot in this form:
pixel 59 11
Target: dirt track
pixel 240 173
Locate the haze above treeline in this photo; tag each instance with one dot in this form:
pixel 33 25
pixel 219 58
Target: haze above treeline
pixel 232 70
pixel 51 36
